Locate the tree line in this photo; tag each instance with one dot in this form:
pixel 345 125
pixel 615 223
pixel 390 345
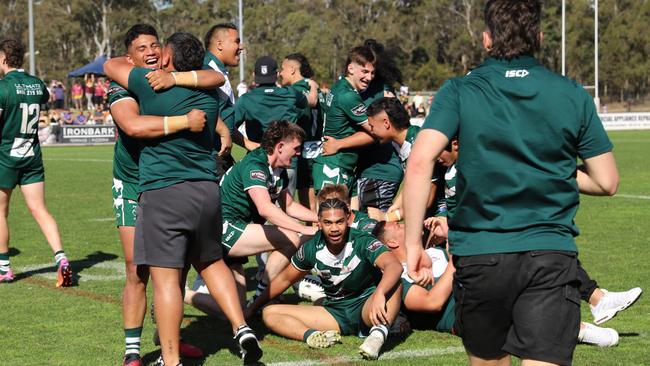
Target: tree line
pixel 431 40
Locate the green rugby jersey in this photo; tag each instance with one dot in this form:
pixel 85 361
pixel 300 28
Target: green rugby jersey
pixel 378 161
pixel 347 275
pixel 252 171
pixel 21 96
pixel 265 104
pixel 182 156
pixel 307 116
pixel 405 150
pixel 126 151
pixel 343 112
pixel 363 222
pixel 521 128
pixel 226 94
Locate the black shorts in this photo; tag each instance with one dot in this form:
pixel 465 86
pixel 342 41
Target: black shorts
pixel 526 304
pixel 58 104
pixel 179 225
pixel 376 193
pixel 304 179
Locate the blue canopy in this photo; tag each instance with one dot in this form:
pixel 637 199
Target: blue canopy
pixel 95 67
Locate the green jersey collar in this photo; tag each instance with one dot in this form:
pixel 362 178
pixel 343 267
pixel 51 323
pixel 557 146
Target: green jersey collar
pixel 215 59
pixel 521 61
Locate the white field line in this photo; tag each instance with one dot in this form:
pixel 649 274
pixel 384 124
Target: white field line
pixel 634 196
pixel 115 271
pixel 81 160
pixel 103 219
pixel 429 352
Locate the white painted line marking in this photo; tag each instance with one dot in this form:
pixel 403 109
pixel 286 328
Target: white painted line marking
pixel 49 272
pixel 638 197
pixel 393 355
pixel 103 219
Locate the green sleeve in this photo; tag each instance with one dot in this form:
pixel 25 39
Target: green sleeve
pixel 301 99
pixel 240 112
pixel 592 139
pixel 353 107
pixel 444 115
pixel 372 248
pixel 116 92
pixel 227 113
pixel 255 176
pixel 305 257
pixel 138 84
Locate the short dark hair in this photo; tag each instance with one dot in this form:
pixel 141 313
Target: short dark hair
pixel 397 114
pixel 333 204
pixel 280 131
pixel 14 52
pixel 379 231
pixel 360 55
pixel 187 51
pixel 305 68
pixel 514 26
pixel 215 28
pixel 340 190
pixel 386 69
pixel 136 31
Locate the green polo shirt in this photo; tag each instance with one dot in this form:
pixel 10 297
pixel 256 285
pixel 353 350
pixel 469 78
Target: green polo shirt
pixel 182 156
pixel 348 274
pixel 21 96
pixel 126 151
pixel 521 129
pixel 265 104
pixel 343 112
pixel 252 171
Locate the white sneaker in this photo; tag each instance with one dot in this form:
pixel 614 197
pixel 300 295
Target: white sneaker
pixel 613 302
pixel 601 337
pixel 310 288
pixel 370 348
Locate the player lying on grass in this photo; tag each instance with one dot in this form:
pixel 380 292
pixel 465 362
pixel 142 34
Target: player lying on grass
pixel 349 264
pixel 432 307
pixel 251 189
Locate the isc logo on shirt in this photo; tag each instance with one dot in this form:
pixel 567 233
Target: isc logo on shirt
pixel 517 73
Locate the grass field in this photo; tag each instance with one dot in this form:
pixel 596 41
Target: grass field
pixel 42 325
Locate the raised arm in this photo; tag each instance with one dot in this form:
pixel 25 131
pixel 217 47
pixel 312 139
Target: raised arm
pixel 358 139
pixel 295 209
pixel 118 69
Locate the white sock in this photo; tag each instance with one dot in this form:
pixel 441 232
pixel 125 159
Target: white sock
pixel 381 330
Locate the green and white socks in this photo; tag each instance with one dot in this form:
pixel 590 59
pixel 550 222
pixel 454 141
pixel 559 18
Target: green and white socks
pixel 60 258
pixel 4 263
pixel 132 338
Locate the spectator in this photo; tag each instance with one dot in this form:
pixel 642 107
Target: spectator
pixel 418 100
pixel 66 117
pixel 59 96
pixel 77 94
pixel 242 88
pixel 80 119
pixel 89 91
pixel 98 94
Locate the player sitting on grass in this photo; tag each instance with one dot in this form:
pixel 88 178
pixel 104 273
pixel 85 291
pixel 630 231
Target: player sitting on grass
pixel 432 307
pixel 359 296
pixel 250 190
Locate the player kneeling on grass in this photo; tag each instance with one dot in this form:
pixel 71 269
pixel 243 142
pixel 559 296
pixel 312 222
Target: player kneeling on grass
pixel 359 296
pixel 432 307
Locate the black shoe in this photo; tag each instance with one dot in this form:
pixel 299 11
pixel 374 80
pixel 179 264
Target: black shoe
pixel 249 347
